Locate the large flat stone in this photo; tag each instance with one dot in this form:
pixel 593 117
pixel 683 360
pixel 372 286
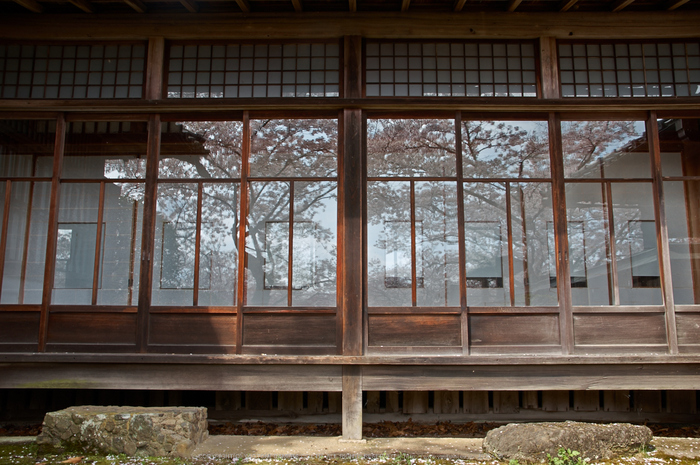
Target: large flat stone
pixel 531 442
pixel 154 431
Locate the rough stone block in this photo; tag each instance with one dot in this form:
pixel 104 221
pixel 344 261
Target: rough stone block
pixel 140 431
pixel 532 442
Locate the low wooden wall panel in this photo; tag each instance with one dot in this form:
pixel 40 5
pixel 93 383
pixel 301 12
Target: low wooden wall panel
pixel 516 330
pixel 289 330
pixel 688 325
pixel 19 331
pixel 188 333
pixel 414 330
pixel 91 332
pixel 617 329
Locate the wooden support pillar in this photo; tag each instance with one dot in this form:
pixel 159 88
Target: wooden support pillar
pixel 154 70
pixel 149 222
pixel 549 67
pixel 50 263
pixel 352 403
pixel 662 233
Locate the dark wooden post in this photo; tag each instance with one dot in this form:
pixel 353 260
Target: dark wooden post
pixel 149 222
pixel 52 231
pixel 561 239
pixel 662 233
pixel 351 261
pixel 549 68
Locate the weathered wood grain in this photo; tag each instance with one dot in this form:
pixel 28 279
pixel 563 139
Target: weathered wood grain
pixel 414 330
pixel 513 329
pixel 619 329
pixel 193 329
pixel 289 329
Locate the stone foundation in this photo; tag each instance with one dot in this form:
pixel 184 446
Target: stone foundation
pixel 140 431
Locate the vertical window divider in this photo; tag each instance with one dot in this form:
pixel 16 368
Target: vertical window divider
pixel 243 221
pixel 609 246
pixel 612 258
pixel 3 239
pixel 25 244
pixel 290 252
pixel 148 232
pixel 460 235
pixel 561 239
pixel 662 233
pixel 51 233
pixel 414 277
pixel 197 246
pixel 509 225
pixel 523 220
pixel 132 251
pixel 98 243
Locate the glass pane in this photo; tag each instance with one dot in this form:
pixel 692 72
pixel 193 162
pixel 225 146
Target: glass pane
pixel 315 244
pixel 531 210
pixel 218 259
pixel 682 207
pixel 505 149
pixel 635 244
pixel 437 258
pixel 121 250
pixel 589 244
pixel 389 252
pixel 200 149
pixel 605 149
pixel 21 143
pixel 267 243
pixel 174 253
pixel 294 148
pixel 411 147
pixel 25 253
pixel 105 150
pixel 75 244
pixel 486 244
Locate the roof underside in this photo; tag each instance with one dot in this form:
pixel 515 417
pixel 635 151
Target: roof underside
pixel 294 6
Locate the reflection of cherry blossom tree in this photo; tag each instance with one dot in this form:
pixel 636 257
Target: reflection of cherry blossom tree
pixel 211 152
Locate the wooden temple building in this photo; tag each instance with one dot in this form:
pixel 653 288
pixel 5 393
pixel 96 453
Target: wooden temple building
pixel 482 206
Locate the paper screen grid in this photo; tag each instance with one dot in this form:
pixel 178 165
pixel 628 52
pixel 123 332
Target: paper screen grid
pixel 254 70
pixel 663 69
pixel 72 71
pixel 454 69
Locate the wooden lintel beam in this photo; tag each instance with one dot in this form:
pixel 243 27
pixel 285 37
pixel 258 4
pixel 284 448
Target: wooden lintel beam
pixel 566 5
pixel 673 4
pixel 297 5
pixel 84 5
pixel 191 5
pixel 405 4
pixel 137 5
pixel 31 5
pixel 244 5
pixel 352 5
pixel 621 4
pixel 459 4
pixel 513 4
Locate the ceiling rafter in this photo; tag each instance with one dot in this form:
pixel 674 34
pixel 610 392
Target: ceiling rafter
pixel 137 5
pixel 297 6
pixel 244 5
pixel 84 5
pixel 566 5
pixel 191 5
pixel 405 4
pixel 621 4
pixel 673 4
pixel 513 4
pixel 459 4
pixel 31 5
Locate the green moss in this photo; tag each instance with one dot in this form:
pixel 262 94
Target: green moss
pixel 59 384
